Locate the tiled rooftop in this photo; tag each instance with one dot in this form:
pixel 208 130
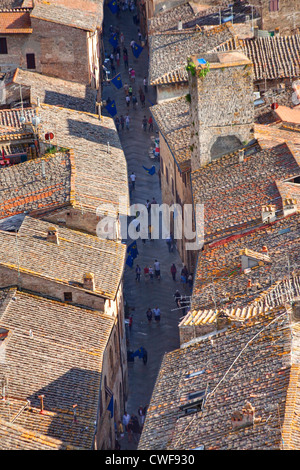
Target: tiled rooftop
pixel 273 57
pixel 12 22
pixel 222 283
pixel 168 19
pixel 10 4
pixel 56 350
pixel 101 169
pixel 251 362
pixel 234 192
pixel 66 263
pixel 169 51
pixel 172 119
pixel 82 14
pixel 57 92
pixel 24 188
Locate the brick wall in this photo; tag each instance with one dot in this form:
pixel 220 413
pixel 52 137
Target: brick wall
pixel 221 107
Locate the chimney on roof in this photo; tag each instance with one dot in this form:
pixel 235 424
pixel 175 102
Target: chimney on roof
pixel 179 25
pixel 244 418
pixel 241 155
pixel 41 397
pixel 52 235
pixel 268 213
pixel 277 32
pixel 289 206
pixel 89 281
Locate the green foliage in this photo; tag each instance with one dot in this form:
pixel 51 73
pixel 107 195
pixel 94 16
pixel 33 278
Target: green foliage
pixel 188 98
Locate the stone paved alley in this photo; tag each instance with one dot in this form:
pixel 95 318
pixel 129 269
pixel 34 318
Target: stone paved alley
pixel 155 338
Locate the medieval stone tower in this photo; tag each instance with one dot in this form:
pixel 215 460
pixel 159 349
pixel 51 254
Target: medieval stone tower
pixel 221 105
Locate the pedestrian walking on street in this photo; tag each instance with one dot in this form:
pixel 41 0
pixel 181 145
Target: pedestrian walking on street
pixel 126 419
pixel 169 242
pixel 145 85
pixel 135 428
pixel 130 91
pixel 113 69
pixel 142 99
pixel 144 123
pixel 177 297
pixel 122 122
pixel 118 59
pixel 150 122
pixel 149 315
pixel 151 273
pixel 127 122
pixel 146 273
pixel 122 39
pixel 132 75
pixel 148 205
pixel 157 269
pixel 139 35
pixel 141 415
pixel 130 321
pixel 133 178
pixel 134 102
pixel 184 275
pixel 117 122
pixel 173 271
pixel 156 312
pixel 126 89
pixel 125 58
pixel 127 101
pixel 138 273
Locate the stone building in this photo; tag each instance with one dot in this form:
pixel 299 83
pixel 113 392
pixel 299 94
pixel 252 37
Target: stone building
pixel 60 371
pixel 50 37
pixel 88 188
pixel 221 111
pixel 281 15
pixel 169 50
pixel 237 368
pixel 172 120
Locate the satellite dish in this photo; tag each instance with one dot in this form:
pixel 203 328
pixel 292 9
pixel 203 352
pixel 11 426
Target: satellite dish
pixel 295 99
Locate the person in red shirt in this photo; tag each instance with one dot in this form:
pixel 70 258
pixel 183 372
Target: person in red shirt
pixel 150 122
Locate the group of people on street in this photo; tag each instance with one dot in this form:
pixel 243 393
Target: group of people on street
pixel 131 424
pixel 149 272
pixel 153 312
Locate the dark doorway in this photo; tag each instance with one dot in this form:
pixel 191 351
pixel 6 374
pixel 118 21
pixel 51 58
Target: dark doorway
pixel 30 58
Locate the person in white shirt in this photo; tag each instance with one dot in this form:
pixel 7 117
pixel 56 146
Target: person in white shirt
pixel 133 177
pixel 126 419
pixel 156 313
pixel 157 269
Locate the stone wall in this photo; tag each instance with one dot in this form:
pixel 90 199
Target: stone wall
pixel 286 19
pixel 55 289
pixel 60 51
pixel 171 90
pixel 221 108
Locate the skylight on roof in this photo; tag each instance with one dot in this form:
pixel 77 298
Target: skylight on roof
pixel 194 374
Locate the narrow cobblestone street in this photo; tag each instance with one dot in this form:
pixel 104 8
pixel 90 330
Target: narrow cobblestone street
pixel 155 338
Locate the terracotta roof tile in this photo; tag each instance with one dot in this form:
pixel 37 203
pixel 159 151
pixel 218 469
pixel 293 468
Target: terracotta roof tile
pixel 249 363
pixel 168 51
pixel 62 360
pixel 66 263
pixel 86 15
pixel 15 22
